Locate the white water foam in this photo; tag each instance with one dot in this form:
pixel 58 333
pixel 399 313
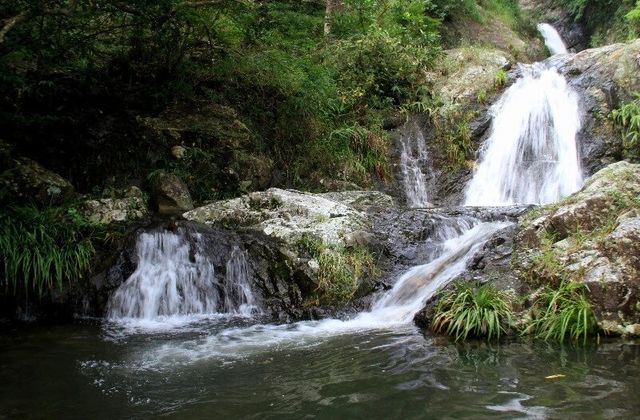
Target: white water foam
pixel 413 159
pixel 531 156
pixel 175 283
pixel 552 39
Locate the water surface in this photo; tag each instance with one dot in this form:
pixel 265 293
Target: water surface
pixel 89 371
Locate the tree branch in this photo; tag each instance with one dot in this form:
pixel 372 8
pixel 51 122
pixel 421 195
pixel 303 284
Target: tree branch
pixel 10 23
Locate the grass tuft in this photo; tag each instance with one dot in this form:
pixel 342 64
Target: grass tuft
pixel 562 313
pixel 473 309
pixel 43 248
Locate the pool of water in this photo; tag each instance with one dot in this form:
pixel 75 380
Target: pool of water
pixel 224 368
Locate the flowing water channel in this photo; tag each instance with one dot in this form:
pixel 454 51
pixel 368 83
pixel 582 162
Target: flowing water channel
pixel 180 344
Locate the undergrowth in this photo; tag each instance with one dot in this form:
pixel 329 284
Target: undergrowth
pixel 42 249
pixel 627 117
pixel 562 313
pixel 339 268
pixel 473 309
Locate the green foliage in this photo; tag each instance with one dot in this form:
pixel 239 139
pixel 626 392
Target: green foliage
pixel 562 313
pixel 339 268
pixel 42 249
pixel 473 309
pixel 607 21
pixel 500 79
pixel 627 117
pixel 546 266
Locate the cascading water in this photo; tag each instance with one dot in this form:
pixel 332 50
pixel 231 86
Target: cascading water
pixel 172 279
pixel 413 158
pixel 552 39
pixel 531 156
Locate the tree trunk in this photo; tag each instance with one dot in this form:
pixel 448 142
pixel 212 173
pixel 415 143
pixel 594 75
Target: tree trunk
pixel 328 11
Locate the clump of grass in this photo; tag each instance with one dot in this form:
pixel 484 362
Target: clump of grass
pixel 473 309
pixel 339 268
pixel 43 248
pixel 500 79
pixel 562 313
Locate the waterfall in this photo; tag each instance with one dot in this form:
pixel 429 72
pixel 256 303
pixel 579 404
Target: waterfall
pixel 174 277
pixel 413 158
pixel 531 155
pixel 552 39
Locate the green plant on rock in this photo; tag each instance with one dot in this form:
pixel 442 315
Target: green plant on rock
pixel 473 309
pixel 500 78
pixel 565 312
pixel 627 117
pixel 339 268
pixel 42 249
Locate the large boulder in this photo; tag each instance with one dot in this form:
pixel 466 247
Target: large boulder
pixel 592 237
pixel 170 195
pixel 27 180
pixel 290 237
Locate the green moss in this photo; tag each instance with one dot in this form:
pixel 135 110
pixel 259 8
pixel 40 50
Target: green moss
pixel 339 268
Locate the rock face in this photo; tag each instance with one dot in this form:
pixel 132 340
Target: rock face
pixel 27 180
pixel 278 226
pixel 105 211
pixel 604 78
pixel 171 195
pixel 550 11
pixel 593 237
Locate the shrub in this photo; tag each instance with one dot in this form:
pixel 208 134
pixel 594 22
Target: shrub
pixel 472 309
pixel 627 117
pixel 43 248
pixel 562 313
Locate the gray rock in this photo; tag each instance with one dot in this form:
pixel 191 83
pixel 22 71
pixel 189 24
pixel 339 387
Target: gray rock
pixel 27 180
pixel 132 206
pixel 595 237
pixel 171 195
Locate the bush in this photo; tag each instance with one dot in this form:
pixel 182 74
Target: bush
pixel 562 313
pixel 42 249
pixel 473 309
pixel 627 117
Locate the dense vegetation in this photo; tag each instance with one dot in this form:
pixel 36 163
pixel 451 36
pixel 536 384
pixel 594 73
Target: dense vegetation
pixel 607 21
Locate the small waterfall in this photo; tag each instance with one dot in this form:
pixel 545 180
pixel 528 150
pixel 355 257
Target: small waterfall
pixel 174 278
pixel 238 297
pixel 412 159
pixel 552 39
pixel 531 155
pixel 417 285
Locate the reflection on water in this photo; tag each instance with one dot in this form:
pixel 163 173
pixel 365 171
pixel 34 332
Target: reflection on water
pixel 87 371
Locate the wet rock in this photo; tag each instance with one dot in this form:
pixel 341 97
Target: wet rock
pixel 279 226
pixel 604 78
pixel 572 31
pixel 26 180
pixel 131 207
pixel 593 237
pixel 170 195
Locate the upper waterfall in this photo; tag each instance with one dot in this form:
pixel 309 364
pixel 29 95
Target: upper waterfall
pixel 552 39
pixel 531 155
